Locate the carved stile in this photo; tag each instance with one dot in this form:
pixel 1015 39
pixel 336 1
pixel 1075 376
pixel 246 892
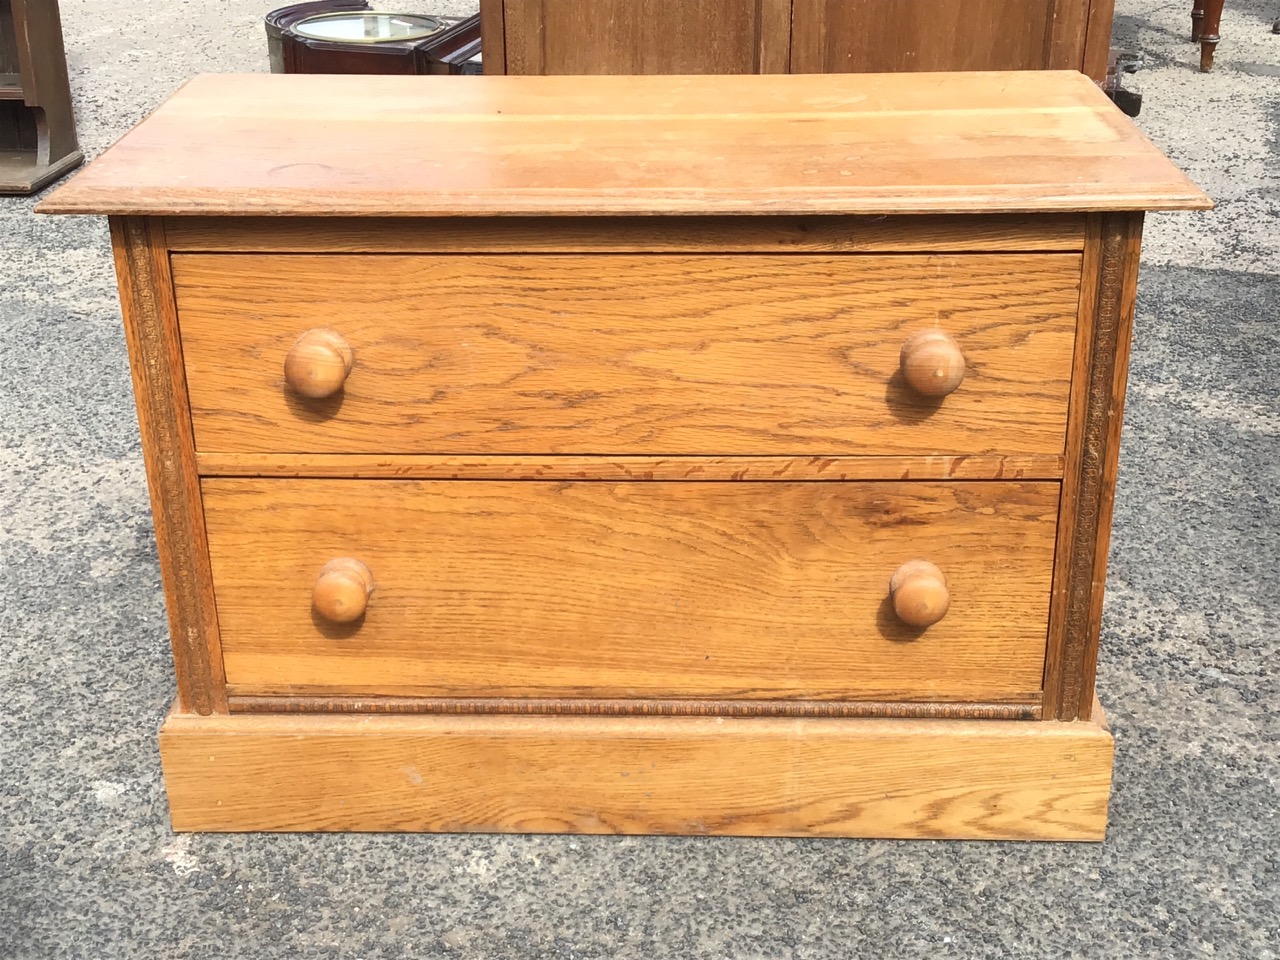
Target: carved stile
pixel 168 448
pixel 1089 483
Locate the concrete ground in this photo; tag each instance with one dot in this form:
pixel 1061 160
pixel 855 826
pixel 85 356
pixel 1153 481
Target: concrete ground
pixel 1191 866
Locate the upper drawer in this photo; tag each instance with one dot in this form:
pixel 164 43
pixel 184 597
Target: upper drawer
pixel 611 354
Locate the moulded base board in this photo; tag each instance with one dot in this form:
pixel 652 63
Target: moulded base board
pixel 937 779
pixel 20 174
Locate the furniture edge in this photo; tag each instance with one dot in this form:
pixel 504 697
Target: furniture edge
pixel 280 203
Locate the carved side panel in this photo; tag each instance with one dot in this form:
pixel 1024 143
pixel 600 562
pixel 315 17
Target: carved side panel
pixel 168 449
pixel 1108 295
pixel 649 708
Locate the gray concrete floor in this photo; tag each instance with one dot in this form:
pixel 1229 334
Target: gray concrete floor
pixel 1191 866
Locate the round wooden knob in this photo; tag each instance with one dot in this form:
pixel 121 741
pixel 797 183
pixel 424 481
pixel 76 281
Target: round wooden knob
pixel 918 590
pixel 318 363
pixel 342 590
pixel 932 363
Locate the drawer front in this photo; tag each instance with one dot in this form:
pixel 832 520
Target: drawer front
pixel 614 354
pixel 631 590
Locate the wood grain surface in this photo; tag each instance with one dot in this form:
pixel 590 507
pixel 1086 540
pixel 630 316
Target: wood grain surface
pixel 633 590
pixel 937 779
pixel 744 354
pixel 568 467
pixel 892 36
pixel 297 145
pixel 645 36
pixel 693 234
pixel 168 450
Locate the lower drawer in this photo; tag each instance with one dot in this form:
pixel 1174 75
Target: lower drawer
pixel 716 590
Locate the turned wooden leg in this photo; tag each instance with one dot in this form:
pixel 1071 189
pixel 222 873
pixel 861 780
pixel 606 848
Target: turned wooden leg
pixel 1209 32
pixel 1197 18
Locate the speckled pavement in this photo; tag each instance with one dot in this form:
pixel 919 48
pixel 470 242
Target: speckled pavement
pixel 1191 866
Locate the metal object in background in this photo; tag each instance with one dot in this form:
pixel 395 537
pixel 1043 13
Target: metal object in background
pixel 1124 63
pixel 346 36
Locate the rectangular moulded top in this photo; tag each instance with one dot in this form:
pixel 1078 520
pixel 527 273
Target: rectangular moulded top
pixel 868 144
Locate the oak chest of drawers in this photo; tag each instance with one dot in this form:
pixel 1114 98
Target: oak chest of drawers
pixel 724 455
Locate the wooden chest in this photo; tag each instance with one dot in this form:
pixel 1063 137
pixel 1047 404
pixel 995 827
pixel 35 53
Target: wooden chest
pixel 726 455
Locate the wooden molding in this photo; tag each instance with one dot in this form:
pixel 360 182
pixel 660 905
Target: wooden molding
pixel 477 706
pixel 571 467
pixel 1013 233
pixel 168 449
pixel 1108 295
pixel 936 779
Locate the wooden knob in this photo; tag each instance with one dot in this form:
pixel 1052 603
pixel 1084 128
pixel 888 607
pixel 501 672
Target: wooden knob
pixel 918 590
pixel 318 363
pixel 932 363
pixel 342 590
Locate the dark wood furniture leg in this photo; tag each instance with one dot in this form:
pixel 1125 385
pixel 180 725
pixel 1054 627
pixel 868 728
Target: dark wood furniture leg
pixel 1197 20
pixel 1208 37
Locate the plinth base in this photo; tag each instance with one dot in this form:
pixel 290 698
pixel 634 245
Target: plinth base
pixel 936 779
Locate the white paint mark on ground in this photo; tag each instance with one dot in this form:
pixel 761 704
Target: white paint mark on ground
pixel 107 792
pixel 179 856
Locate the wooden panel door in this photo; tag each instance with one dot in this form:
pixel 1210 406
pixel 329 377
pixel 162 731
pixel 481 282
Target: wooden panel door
pixel 637 36
pixel 889 36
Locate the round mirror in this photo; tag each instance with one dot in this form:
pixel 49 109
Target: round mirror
pixel 367 27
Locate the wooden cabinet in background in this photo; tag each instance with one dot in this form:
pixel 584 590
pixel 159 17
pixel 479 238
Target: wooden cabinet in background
pixel 794 36
pixel 37 130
